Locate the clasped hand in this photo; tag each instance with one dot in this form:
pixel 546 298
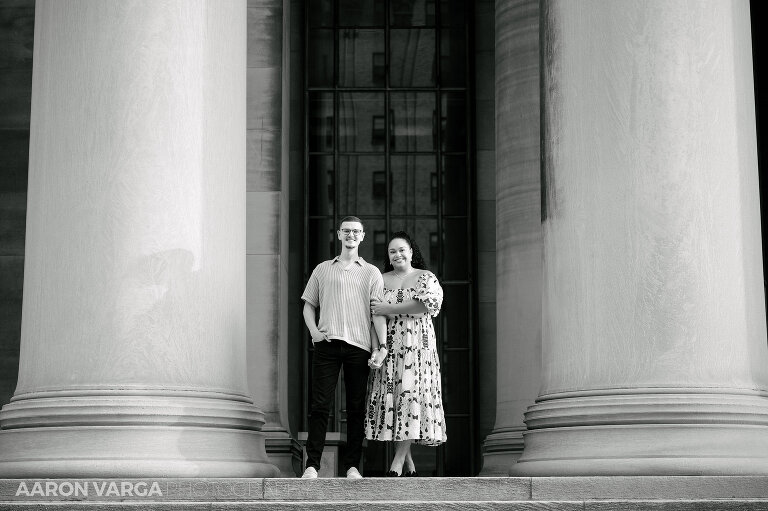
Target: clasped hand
pixel 380 308
pixel 377 358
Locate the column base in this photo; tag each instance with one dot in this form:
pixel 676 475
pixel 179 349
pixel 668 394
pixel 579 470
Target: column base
pixel 133 451
pixel 501 449
pixel 284 452
pixel 664 433
pixel 137 434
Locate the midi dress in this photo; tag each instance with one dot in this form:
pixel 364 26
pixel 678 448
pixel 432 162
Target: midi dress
pixel 404 396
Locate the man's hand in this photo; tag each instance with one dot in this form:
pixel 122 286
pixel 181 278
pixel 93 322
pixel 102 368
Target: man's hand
pixel 318 336
pixel 377 358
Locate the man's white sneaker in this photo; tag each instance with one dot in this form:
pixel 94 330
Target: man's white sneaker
pixel 309 473
pixel 352 473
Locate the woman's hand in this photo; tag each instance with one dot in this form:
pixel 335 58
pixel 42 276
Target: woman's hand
pixel 377 358
pixel 381 308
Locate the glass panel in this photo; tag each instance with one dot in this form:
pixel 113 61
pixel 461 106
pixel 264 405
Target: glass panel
pixel 454 122
pixel 361 122
pixel 413 119
pixel 361 58
pixel 457 448
pixel 362 186
pixel 320 121
pixel 423 233
pixel 375 458
pixel 454 369
pixel 320 186
pixel 321 244
pixel 361 13
pixel 320 13
pixel 455 185
pixel 452 13
pixel 455 315
pixel 412 13
pixel 320 59
pixel 456 248
pixel 453 57
pixel 425 460
pixel 412 58
pixel 414 185
pixel 375 228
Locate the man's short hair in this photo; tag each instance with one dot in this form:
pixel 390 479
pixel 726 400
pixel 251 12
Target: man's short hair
pixel 351 219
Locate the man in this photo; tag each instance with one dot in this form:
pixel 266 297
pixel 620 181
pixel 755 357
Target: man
pixel 343 288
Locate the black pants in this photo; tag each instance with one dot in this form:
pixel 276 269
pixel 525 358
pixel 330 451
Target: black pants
pixel 328 359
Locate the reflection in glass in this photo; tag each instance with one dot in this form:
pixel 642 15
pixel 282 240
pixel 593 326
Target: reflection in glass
pixel 412 13
pixel 455 185
pixel 455 242
pixel 412 184
pixel 358 185
pixel 413 119
pixel 361 13
pixel 420 230
pixel 357 113
pixel 453 57
pixel 457 456
pixel 320 58
pixel 425 459
pixel 367 247
pixel 320 121
pixel 320 13
pixel 412 58
pixel 321 241
pixel 456 313
pixel 320 185
pixel 358 64
pixel 454 364
pixel 452 13
pixel 454 122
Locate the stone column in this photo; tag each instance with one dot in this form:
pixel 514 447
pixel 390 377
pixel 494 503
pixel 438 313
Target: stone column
pixel 654 352
pixel 518 229
pixel 267 225
pixel 133 322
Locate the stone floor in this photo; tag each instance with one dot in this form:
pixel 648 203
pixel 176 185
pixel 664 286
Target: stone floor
pixel 692 493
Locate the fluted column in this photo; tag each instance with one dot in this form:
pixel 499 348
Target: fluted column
pixel 133 323
pixel 654 340
pixel 518 229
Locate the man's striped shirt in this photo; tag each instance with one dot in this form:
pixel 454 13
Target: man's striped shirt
pixel 344 298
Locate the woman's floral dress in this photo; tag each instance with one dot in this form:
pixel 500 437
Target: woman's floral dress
pixel 404 396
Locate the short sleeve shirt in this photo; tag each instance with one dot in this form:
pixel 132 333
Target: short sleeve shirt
pixel 344 298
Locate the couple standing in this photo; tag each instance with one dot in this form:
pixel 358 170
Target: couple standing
pixel 369 321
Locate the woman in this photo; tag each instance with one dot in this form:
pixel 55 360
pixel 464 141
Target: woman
pixel 405 402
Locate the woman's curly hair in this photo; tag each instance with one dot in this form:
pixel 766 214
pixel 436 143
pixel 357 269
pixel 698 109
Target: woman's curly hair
pixel 418 259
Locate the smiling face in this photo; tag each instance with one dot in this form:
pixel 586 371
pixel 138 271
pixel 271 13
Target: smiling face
pixel 400 254
pixel 351 234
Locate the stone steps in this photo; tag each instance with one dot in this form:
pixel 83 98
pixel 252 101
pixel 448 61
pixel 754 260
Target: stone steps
pixel 692 493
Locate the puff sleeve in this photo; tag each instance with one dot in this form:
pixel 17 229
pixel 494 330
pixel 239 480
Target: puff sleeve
pixel 429 292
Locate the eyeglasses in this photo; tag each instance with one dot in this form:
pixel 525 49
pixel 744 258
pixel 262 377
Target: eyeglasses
pixel 356 232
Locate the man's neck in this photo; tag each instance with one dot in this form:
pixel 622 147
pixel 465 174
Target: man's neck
pixel 348 254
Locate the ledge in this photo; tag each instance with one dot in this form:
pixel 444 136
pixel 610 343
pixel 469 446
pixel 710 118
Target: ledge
pixel 598 493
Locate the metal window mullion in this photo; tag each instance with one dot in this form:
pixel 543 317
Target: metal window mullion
pixel 305 262
pixel 387 126
pixel 336 408
pixel 438 157
pixel 471 234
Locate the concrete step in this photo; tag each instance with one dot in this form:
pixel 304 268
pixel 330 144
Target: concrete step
pixel 692 493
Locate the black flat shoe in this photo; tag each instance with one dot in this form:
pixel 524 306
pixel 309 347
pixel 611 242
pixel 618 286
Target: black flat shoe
pixel 410 474
pixel 392 473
